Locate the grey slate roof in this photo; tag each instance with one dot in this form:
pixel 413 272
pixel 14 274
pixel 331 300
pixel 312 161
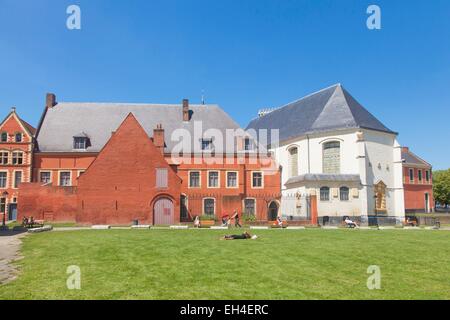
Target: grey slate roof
pixel 411 158
pixel 329 109
pixel 98 120
pixel 324 177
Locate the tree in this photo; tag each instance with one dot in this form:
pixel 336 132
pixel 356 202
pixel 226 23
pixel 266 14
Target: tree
pixel 441 187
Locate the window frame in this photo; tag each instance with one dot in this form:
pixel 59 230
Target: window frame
pixel 210 143
pixel 411 175
pixel 50 176
pixel 22 157
pixel 419 176
pixel 218 179
pixel 60 172
pixel 199 179
pixel 15 185
pixel 214 207
pixel 248 144
pixel 427 176
pixel 262 180
pixel 237 180
pixel 6 179
pixel 324 147
pixel 83 139
pixel 3 201
pixel 21 137
pixel 2 157
pixel 322 199
pixel 3 134
pixel 340 193
pixel 244 207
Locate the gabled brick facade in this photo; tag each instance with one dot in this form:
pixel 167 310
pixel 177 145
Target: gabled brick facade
pixel 16 156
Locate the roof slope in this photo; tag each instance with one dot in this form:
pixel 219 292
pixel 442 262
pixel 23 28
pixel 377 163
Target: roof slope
pixel 329 109
pixel 98 120
pixel 411 158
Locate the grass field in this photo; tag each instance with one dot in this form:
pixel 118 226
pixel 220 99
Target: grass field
pixel 195 264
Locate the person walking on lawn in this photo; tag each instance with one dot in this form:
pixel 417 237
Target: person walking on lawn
pixel 236 219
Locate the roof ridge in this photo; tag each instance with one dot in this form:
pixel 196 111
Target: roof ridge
pixel 309 95
pixel 139 104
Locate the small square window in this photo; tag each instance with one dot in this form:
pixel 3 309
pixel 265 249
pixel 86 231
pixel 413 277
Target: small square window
pixel 80 143
pixel 65 179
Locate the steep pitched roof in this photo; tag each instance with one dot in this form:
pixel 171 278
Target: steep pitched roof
pixel 329 109
pixel 28 127
pixel 98 120
pixel 411 158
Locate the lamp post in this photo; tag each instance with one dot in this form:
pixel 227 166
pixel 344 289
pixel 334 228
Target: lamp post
pixel 5 195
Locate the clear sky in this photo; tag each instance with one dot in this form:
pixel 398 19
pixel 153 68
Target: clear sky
pixel 245 55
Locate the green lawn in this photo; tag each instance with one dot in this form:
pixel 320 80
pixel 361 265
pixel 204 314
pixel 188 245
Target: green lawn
pixel 195 264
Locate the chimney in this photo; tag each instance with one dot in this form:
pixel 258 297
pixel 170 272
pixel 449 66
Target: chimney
pixel 186 115
pixel 405 149
pixel 50 101
pixel 158 138
pixel 13 109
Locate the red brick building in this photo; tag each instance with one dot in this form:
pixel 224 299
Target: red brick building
pixel 16 155
pixel 99 163
pixel 418 183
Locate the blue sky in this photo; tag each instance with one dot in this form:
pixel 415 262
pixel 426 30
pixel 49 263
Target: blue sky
pixel 245 55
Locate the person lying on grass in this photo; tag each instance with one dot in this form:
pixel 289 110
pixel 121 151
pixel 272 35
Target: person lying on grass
pixel 243 236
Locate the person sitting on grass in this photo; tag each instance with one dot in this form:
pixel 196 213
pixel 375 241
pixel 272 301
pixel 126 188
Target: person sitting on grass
pixel 350 223
pixel 197 222
pixel 243 236
pixel 411 222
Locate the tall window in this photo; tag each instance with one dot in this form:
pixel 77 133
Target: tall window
pixel 411 175
pixel 380 196
pixel 80 143
pixel 206 144
pixel 3 179
pixel 248 145
pixel 3 205
pixel 249 206
pixel 213 179
pixel 4 157
pixel 293 162
pixel 65 179
pixel 194 179
pixel 18 137
pixel 324 194
pixel 344 193
pixel 161 178
pixel 331 157
pixel 4 137
pixel 17 178
pixel 232 180
pixel 209 207
pixel 17 158
pixel 419 174
pixel 427 175
pixel 44 177
pixel 257 180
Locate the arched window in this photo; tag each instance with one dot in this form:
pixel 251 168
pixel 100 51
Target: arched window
pixel 18 136
pixel 324 194
pixel 293 162
pixel 331 157
pixel 344 194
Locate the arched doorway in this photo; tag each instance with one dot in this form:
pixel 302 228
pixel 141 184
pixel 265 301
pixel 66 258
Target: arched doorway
pixel 272 212
pixel 163 212
pixel 380 197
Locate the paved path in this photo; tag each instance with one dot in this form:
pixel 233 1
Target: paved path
pixel 9 251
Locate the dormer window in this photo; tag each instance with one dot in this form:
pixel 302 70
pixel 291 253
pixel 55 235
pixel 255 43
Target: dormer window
pixel 4 137
pixel 18 136
pixel 207 144
pixel 81 141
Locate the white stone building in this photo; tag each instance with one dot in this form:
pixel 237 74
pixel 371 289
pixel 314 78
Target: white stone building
pixel 332 147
